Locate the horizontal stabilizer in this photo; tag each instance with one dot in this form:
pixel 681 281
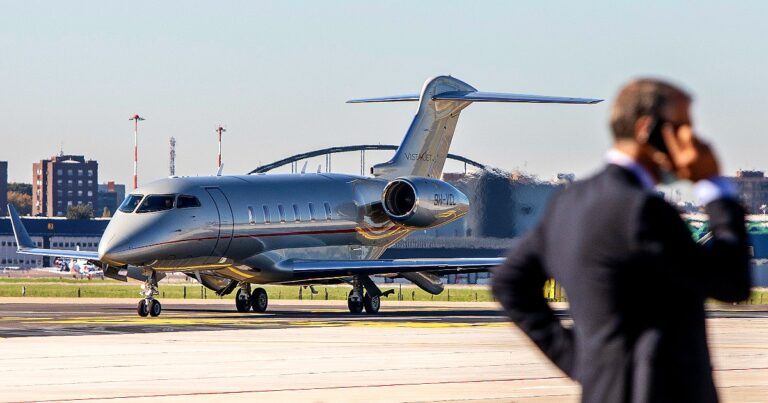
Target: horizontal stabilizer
pixel 395 98
pixel 479 96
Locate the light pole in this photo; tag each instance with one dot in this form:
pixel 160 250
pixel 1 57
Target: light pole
pixel 220 130
pixel 136 119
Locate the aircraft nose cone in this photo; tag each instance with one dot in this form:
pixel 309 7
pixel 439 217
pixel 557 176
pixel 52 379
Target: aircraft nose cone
pixel 113 253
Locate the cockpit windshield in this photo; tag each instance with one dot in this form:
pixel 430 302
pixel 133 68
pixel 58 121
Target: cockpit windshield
pixel 130 203
pixel 156 203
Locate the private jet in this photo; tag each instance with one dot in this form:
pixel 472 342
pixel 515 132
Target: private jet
pixel 233 232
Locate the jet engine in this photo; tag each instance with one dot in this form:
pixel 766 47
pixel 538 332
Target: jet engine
pixel 421 202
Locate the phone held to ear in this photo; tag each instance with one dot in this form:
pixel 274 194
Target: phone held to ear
pixel 655 138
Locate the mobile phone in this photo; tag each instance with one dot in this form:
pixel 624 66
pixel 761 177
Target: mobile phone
pixel 655 138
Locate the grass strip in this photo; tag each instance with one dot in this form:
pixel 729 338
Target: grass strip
pixel 98 289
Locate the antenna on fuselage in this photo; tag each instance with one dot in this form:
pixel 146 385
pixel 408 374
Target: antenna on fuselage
pixel 218 171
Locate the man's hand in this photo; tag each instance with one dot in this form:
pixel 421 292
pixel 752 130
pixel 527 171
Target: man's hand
pixel 692 158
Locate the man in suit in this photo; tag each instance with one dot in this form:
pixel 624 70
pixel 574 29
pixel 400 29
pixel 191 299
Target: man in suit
pixel 636 281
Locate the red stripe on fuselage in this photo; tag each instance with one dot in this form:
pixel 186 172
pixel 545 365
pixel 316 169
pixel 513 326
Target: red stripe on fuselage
pixel 274 234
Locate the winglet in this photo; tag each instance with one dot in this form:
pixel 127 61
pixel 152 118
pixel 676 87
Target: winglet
pixel 19 232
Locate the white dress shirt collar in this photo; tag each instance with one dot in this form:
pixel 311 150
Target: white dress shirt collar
pixel 617 157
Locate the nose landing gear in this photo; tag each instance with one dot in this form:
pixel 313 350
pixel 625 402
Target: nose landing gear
pixel 149 306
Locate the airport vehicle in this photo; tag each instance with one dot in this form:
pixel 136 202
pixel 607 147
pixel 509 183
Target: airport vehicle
pixel 231 232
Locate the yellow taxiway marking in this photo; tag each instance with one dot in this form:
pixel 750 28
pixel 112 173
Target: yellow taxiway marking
pixel 170 321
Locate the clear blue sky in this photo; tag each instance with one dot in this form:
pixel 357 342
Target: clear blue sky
pixel 277 75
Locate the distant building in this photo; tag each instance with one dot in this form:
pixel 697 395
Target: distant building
pixel 63 181
pixel 110 195
pixel 3 187
pixel 753 189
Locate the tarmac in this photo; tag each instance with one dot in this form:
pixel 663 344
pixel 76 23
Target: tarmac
pixel 309 351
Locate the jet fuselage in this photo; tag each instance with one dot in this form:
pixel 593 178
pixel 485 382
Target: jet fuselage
pixel 245 224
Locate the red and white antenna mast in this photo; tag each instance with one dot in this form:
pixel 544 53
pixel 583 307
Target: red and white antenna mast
pixel 136 119
pixel 220 130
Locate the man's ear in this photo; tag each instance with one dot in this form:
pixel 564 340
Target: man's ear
pixel 643 129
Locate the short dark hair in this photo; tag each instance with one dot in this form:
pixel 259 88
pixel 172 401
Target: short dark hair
pixel 641 97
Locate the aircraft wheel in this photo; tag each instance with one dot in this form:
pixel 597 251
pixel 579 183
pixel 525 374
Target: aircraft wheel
pixel 243 300
pixel 355 306
pixel 371 304
pixel 155 308
pixel 259 300
pixel 142 309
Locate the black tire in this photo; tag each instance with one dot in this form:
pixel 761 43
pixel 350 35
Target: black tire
pixel 142 309
pixel 355 307
pixel 371 304
pixel 155 308
pixel 242 301
pixel 259 300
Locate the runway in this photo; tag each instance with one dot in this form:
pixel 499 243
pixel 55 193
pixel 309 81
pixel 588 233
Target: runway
pixel 306 351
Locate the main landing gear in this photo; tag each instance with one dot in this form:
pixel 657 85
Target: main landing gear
pixel 370 301
pixel 149 305
pixel 256 300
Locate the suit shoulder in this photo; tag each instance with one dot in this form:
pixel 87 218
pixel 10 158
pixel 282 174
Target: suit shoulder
pixel 606 186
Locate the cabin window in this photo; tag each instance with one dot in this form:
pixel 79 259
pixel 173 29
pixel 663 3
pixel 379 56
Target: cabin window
pixel 251 218
pixel 281 212
pixel 266 214
pixel 130 203
pixel 154 203
pixel 327 211
pixel 296 215
pixel 312 212
pixel 185 201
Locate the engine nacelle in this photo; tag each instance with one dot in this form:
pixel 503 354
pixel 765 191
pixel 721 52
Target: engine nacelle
pixel 420 202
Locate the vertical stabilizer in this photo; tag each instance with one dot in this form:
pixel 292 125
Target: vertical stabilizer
pixel 425 146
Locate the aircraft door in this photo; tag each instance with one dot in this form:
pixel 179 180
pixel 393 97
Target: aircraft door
pixel 226 221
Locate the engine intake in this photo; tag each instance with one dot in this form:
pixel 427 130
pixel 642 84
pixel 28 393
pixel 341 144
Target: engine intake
pixel 421 202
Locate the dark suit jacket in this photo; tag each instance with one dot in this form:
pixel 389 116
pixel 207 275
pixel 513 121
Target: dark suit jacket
pixel 636 284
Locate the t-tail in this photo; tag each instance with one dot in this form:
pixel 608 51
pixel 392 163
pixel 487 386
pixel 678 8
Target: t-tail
pixel 426 143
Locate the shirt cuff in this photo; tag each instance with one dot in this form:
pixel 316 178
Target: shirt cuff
pixel 716 187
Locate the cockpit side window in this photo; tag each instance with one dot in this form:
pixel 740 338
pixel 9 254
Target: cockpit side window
pixel 156 203
pixel 185 201
pixel 130 203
